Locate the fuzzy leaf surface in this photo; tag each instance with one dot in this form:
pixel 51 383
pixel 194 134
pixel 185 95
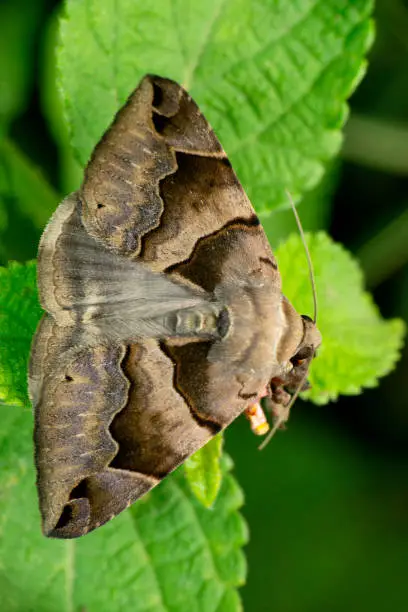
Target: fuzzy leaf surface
pixel 271 77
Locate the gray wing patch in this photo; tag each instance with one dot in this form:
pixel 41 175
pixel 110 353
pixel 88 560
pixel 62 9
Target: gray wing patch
pixel 82 283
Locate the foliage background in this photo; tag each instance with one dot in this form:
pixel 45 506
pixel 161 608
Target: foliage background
pixel 327 507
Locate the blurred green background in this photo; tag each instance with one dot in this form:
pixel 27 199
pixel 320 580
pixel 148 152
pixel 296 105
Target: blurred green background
pixel 327 502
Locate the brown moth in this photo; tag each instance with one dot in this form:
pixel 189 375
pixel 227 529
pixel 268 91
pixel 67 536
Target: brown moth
pixel 164 314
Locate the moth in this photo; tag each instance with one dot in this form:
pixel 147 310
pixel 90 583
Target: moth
pixel 164 317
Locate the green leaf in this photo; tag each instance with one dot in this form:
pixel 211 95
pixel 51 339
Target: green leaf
pixel 271 77
pixel 166 553
pixel 358 345
pixel 19 315
pixel 203 471
pixel 22 186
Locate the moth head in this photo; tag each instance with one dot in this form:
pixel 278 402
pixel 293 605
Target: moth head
pixel 284 389
pixel 303 356
pixel 311 340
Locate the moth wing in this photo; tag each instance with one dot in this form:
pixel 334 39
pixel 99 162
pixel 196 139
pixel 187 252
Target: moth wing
pixel 94 458
pixel 159 180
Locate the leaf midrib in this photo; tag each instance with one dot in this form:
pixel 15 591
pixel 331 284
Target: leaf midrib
pixel 211 23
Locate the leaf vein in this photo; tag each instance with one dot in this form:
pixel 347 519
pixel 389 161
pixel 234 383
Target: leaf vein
pixel 189 75
pixel 150 561
pixel 254 136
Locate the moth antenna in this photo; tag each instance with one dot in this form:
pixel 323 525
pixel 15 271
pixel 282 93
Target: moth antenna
pixel 286 410
pixel 285 414
pixel 309 259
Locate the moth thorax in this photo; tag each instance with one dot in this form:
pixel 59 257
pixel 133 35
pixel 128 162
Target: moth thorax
pixel 196 322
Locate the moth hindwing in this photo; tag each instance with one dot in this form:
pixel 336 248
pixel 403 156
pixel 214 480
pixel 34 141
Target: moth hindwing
pixel 164 314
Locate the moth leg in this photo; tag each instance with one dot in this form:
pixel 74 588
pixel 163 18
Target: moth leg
pixel 257 419
pixel 276 406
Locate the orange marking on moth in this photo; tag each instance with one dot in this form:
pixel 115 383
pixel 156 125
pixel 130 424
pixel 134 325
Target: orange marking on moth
pixel 257 419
